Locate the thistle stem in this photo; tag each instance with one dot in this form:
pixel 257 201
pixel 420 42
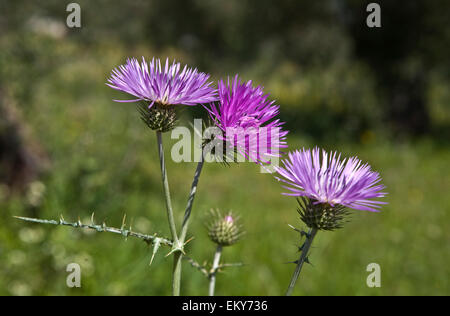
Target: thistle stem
pixel 187 213
pixel 100 228
pixel 303 257
pixel 179 255
pixel 176 273
pixel 173 230
pixel 212 278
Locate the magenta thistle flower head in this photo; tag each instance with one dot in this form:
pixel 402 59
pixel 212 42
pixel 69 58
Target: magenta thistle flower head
pixel 248 120
pixel 326 179
pixel 162 85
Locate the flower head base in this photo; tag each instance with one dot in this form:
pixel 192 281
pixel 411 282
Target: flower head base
pixel 163 85
pixel 325 179
pixel 159 118
pixel 224 230
pixel 321 216
pixel 248 121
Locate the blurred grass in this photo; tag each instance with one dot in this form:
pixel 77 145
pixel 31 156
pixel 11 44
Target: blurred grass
pixel 104 160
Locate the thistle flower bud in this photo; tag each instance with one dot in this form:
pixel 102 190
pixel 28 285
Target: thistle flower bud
pixel 224 230
pixel 159 117
pixel 321 216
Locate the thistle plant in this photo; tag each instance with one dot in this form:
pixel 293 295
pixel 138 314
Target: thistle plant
pixel 163 89
pixel 224 231
pixel 327 187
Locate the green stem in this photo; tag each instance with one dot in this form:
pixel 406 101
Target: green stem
pixel 173 230
pixel 215 267
pixel 304 255
pixel 119 231
pixel 187 213
pixel 179 255
pixel 176 273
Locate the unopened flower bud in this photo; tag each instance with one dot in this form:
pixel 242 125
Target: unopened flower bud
pixel 224 230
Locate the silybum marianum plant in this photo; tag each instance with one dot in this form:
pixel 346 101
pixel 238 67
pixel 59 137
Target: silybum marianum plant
pixel 326 186
pixel 163 89
pixel 224 231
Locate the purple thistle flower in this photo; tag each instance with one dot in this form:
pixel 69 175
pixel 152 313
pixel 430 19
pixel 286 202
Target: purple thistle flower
pixel 166 86
pixel 326 179
pixel 244 110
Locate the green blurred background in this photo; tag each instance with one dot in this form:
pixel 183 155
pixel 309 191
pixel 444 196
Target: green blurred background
pixel 67 148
